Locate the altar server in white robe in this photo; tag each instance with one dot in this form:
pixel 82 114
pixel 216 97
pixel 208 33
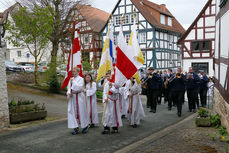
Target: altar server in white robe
pixel 77 112
pixel 90 92
pixel 112 115
pixel 124 103
pixel 135 109
pixel 104 79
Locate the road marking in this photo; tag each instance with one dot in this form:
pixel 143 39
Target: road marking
pixel 155 136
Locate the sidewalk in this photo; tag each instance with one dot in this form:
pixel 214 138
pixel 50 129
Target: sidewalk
pixel 183 137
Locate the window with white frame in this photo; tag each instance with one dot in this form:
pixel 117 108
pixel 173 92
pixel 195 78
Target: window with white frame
pixel 19 53
pixel 127 36
pixel 115 39
pixel 131 18
pixel 127 19
pixel 142 37
pixel 162 19
pixel 86 39
pixel 117 20
pixel 169 21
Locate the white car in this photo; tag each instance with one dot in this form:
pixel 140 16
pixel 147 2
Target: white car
pixel 28 67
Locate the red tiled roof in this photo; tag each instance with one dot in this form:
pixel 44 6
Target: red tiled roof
pixel 96 18
pixel 146 8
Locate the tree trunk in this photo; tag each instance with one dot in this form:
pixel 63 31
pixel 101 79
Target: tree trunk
pixel 55 46
pixel 35 71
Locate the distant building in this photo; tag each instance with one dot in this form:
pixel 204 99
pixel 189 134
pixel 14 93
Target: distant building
pixel 221 61
pixel 19 54
pixel 199 40
pixel 90 22
pixel 157 34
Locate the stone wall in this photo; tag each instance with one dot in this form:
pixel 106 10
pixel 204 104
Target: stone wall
pixel 222 108
pixel 4 111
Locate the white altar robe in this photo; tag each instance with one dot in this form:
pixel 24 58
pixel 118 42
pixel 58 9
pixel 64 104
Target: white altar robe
pixel 92 103
pixel 137 112
pixel 112 117
pixel 77 113
pixel 124 103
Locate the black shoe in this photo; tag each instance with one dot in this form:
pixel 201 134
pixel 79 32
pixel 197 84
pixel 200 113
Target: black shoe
pixel 123 116
pixel 147 106
pixel 85 130
pixel 92 125
pixel 169 109
pixel 75 131
pixel 179 114
pixel 154 111
pixel 194 110
pixel 134 126
pixel 190 110
pixel 151 110
pixel 159 103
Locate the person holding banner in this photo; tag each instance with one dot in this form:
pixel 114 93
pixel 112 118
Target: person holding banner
pixel 135 110
pixel 90 93
pixel 112 116
pixel 77 112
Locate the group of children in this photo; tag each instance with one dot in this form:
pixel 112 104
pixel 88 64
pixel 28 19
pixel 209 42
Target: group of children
pixel 118 103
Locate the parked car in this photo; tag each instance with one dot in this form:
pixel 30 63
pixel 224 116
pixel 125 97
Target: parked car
pixel 11 66
pixel 61 69
pixel 28 67
pixel 43 66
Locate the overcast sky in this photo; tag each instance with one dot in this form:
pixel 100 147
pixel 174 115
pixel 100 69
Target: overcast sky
pixel 185 11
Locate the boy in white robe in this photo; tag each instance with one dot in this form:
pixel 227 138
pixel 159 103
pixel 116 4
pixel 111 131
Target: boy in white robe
pixel 77 113
pixel 112 115
pixel 90 92
pixel 135 110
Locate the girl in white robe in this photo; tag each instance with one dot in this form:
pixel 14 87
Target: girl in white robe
pixel 112 115
pixel 77 113
pixel 90 91
pixel 135 110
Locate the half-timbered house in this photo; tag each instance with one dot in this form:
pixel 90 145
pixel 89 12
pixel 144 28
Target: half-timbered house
pixel 158 31
pixel 221 61
pixel 198 41
pixel 90 22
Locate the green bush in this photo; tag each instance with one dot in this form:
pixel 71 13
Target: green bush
pixel 215 121
pixel 203 112
pixel 53 84
pixel 24 106
pixel 223 130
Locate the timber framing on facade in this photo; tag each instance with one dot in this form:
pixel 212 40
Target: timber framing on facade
pixel 158 31
pixel 221 58
pixel 90 22
pixel 198 42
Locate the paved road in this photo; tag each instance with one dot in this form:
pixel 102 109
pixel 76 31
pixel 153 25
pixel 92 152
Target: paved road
pixel 55 137
pixel 56 105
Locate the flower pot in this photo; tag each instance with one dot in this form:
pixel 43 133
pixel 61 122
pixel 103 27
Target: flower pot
pixel 27 116
pixel 203 121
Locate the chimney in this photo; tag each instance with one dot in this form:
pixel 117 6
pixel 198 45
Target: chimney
pixel 163 7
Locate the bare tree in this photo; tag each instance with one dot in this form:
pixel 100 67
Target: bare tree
pixel 63 12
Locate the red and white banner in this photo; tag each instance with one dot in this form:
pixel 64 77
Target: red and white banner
pixel 76 57
pixel 125 67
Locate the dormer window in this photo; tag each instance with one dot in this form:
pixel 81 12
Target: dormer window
pixel 162 19
pixel 169 21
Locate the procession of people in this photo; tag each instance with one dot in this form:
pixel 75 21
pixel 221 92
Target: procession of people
pixel 125 102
